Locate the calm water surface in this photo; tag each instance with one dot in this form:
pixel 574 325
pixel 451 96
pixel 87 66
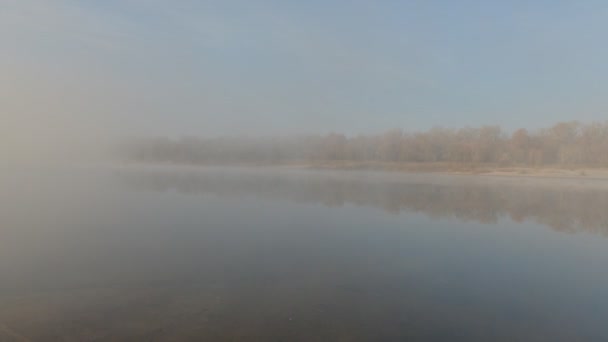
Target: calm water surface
pixel 293 255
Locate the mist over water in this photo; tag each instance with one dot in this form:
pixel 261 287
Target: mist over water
pixel 275 254
pixel 571 205
pixel 124 216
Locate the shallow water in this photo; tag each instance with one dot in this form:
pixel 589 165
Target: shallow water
pixel 288 255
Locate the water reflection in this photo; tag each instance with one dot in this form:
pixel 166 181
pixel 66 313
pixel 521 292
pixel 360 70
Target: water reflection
pixel 227 254
pixel 564 205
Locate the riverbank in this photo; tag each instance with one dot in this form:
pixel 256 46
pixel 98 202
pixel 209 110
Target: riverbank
pixel 554 172
pixel 582 172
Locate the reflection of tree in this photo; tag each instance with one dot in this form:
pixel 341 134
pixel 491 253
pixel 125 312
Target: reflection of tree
pixel 566 209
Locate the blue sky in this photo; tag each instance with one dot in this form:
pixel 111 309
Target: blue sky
pixel 267 67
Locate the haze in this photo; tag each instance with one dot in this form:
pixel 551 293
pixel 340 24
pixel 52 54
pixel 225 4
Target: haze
pixel 75 71
pixel 244 170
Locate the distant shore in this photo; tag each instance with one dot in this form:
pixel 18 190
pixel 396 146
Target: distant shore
pixel 582 172
pixel 573 172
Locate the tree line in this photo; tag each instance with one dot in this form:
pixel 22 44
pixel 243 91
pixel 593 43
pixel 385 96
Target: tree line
pixel 565 143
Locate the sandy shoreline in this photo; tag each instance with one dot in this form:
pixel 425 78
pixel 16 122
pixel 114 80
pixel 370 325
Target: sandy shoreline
pixel 574 172
pixel 588 174
pixel 556 172
pixel 582 179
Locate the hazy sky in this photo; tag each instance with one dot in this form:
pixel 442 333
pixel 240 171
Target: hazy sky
pixel 266 67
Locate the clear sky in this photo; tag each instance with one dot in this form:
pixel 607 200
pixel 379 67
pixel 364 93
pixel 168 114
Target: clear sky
pixel 266 67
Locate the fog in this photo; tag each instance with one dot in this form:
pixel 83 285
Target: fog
pixel 78 74
pixel 50 116
pixel 567 206
pixel 303 170
pixel 185 253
